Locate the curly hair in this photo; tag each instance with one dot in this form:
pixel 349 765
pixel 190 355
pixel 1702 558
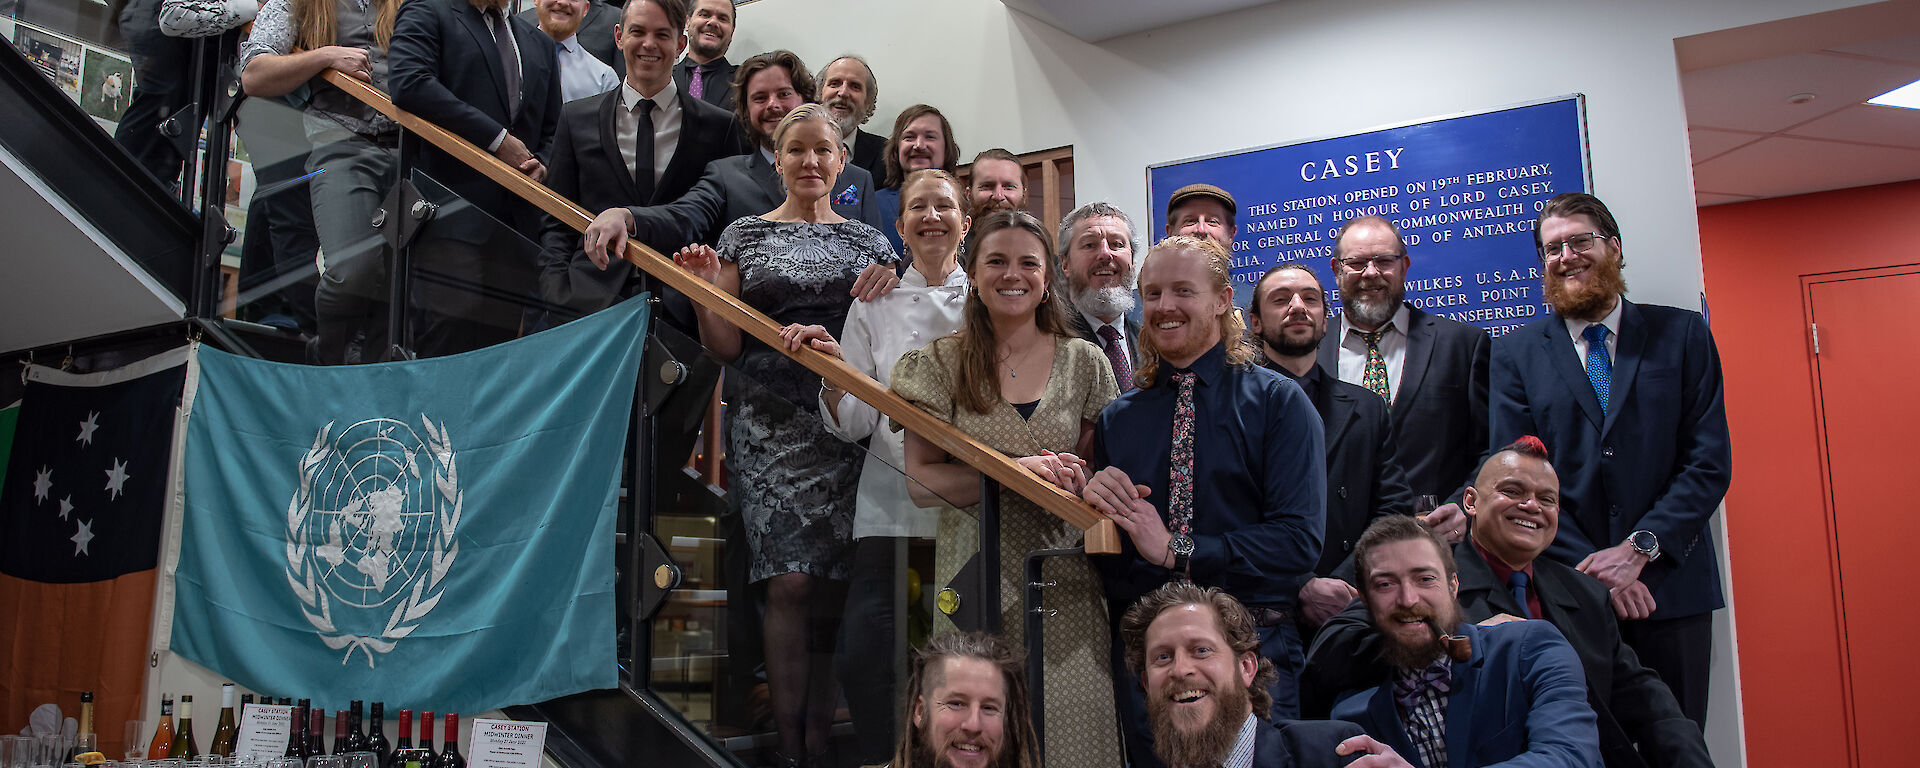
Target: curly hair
pixel 1019 745
pixel 1233 330
pixel 797 75
pixel 1232 618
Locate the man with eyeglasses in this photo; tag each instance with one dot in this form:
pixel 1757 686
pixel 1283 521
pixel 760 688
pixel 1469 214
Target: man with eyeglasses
pixel 1430 370
pixel 1629 398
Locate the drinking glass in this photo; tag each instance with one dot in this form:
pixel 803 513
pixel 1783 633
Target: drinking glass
pixel 327 761
pixel 286 762
pixel 363 760
pixel 13 751
pixel 42 751
pixel 134 748
pixel 1427 502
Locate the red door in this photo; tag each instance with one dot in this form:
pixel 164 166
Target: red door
pixel 1867 379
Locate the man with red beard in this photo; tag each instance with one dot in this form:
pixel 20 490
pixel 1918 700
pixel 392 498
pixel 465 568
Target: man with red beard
pixel 581 73
pixel 1196 652
pixel 1458 695
pixel 1430 370
pixel 1214 468
pixel 1628 397
pixel 967 706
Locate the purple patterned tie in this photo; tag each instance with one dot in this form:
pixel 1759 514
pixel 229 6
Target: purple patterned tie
pixel 697 83
pixel 1180 498
pixel 1117 355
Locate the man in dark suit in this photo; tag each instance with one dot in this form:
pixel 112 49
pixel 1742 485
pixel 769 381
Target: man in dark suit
pixel 705 72
pixel 492 79
pixel 592 166
pixel 849 90
pixel 1514 506
pixel 1289 316
pixel 1629 398
pixel 1196 653
pixel 595 33
pixel 1431 371
pixel 1455 694
pixel 769 85
pixel 1097 247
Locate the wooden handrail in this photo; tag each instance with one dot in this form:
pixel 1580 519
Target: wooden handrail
pixel 1101 535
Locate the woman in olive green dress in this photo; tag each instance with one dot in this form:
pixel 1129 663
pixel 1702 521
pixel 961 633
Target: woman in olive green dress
pixel 1015 379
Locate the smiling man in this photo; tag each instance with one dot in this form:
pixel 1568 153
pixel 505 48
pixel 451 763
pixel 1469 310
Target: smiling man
pixel 997 182
pixel 1629 397
pixel 849 90
pixel 705 72
pixel 1454 694
pixel 1202 210
pixel 1289 317
pixel 1098 246
pixel 581 73
pixel 1214 469
pixel 967 706
pixel 1196 652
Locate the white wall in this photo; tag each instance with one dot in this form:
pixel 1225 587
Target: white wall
pixel 1295 70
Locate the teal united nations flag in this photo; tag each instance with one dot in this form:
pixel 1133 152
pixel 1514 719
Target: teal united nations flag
pixel 436 534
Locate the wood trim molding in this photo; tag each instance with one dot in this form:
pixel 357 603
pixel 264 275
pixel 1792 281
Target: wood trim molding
pixel 1102 537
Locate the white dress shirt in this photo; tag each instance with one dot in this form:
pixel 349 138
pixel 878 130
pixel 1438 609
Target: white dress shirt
pixel 877 333
pixel 582 74
pixel 1119 324
pixel 666 125
pixel 1578 329
pixel 1393 348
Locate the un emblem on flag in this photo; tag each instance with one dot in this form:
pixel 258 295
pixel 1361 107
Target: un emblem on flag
pixel 370 532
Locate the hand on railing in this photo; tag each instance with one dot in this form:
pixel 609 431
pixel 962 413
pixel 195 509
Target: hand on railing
pixel 812 336
pixel 702 260
pixel 515 153
pixel 1065 470
pixel 607 233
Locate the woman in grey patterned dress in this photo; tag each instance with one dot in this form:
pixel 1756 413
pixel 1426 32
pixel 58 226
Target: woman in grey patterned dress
pixel 791 480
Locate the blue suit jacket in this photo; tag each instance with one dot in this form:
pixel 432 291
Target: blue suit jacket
pixel 1660 459
pixel 1521 700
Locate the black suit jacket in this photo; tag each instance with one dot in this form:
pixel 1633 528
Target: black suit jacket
pixel 596 33
pixel 588 169
pixel 870 152
pixel 443 66
pixel 746 185
pixel 1363 480
pixel 1631 702
pixel 1301 743
pixel 1659 460
pixel 1440 410
pixel 718 82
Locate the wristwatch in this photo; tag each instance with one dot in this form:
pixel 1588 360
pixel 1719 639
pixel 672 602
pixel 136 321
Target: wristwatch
pixel 1644 542
pixel 1181 545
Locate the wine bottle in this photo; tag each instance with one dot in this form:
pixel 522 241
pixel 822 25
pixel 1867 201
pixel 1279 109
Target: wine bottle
pixel 340 740
pixel 84 740
pixel 282 701
pixel 316 732
pixel 427 726
pixel 408 756
pixel 403 742
pixel 377 740
pixel 450 745
pixel 162 733
pixel 356 735
pixel 224 732
pixel 297 730
pixel 183 746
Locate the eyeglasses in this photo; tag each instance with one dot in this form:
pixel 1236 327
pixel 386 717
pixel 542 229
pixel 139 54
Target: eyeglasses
pixel 1580 243
pixel 1380 263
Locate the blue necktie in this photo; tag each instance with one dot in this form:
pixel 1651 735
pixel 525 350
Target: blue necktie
pixel 1517 583
pixel 1599 364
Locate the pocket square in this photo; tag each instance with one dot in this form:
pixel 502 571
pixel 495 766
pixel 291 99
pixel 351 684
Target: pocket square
pixel 848 196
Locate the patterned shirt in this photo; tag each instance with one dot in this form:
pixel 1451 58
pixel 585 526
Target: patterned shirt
pixel 1426 721
pixel 1242 754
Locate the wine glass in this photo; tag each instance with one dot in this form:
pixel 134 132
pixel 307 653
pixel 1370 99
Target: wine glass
pixel 327 761
pixel 134 749
pixel 363 760
pixel 1426 503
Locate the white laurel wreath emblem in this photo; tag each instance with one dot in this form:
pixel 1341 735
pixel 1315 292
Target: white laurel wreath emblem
pixel 302 575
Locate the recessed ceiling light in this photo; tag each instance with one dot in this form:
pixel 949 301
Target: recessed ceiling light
pixel 1907 96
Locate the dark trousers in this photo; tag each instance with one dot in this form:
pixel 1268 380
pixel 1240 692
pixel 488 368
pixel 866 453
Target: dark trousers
pixel 351 300
pixel 873 643
pixel 1681 651
pixel 470 294
pixel 1279 643
pixel 162 86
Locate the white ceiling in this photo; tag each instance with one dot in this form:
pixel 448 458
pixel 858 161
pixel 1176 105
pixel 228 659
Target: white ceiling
pixel 1097 20
pixel 1749 141
pixel 62 282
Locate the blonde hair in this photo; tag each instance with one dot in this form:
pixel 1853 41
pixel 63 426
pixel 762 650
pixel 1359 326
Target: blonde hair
pixel 803 112
pixel 315 28
pixel 1233 330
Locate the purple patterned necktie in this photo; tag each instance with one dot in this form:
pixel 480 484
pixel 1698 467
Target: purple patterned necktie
pixel 1180 497
pixel 1117 355
pixel 697 83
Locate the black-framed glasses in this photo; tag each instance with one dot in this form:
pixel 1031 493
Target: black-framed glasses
pixel 1380 263
pixel 1580 243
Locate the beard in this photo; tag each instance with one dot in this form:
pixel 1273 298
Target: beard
pixel 703 50
pixel 1373 314
pixel 560 30
pixel 1104 302
pixel 849 123
pixel 923 756
pixel 1415 655
pixel 1586 303
pixel 1276 339
pixel 1214 740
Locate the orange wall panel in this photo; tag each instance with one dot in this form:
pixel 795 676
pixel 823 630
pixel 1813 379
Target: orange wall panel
pixel 1778 529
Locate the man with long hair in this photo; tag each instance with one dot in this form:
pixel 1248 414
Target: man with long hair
pixel 967 706
pixel 1629 398
pixel 1197 653
pixel 1215 468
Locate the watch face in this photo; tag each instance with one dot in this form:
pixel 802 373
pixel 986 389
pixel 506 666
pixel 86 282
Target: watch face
pixel 1644 541
pixel 1182 544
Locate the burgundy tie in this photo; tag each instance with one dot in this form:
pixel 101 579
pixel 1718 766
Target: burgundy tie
pixel 1117 355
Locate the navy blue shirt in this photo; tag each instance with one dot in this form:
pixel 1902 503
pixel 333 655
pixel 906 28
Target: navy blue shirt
pixel 1259 479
